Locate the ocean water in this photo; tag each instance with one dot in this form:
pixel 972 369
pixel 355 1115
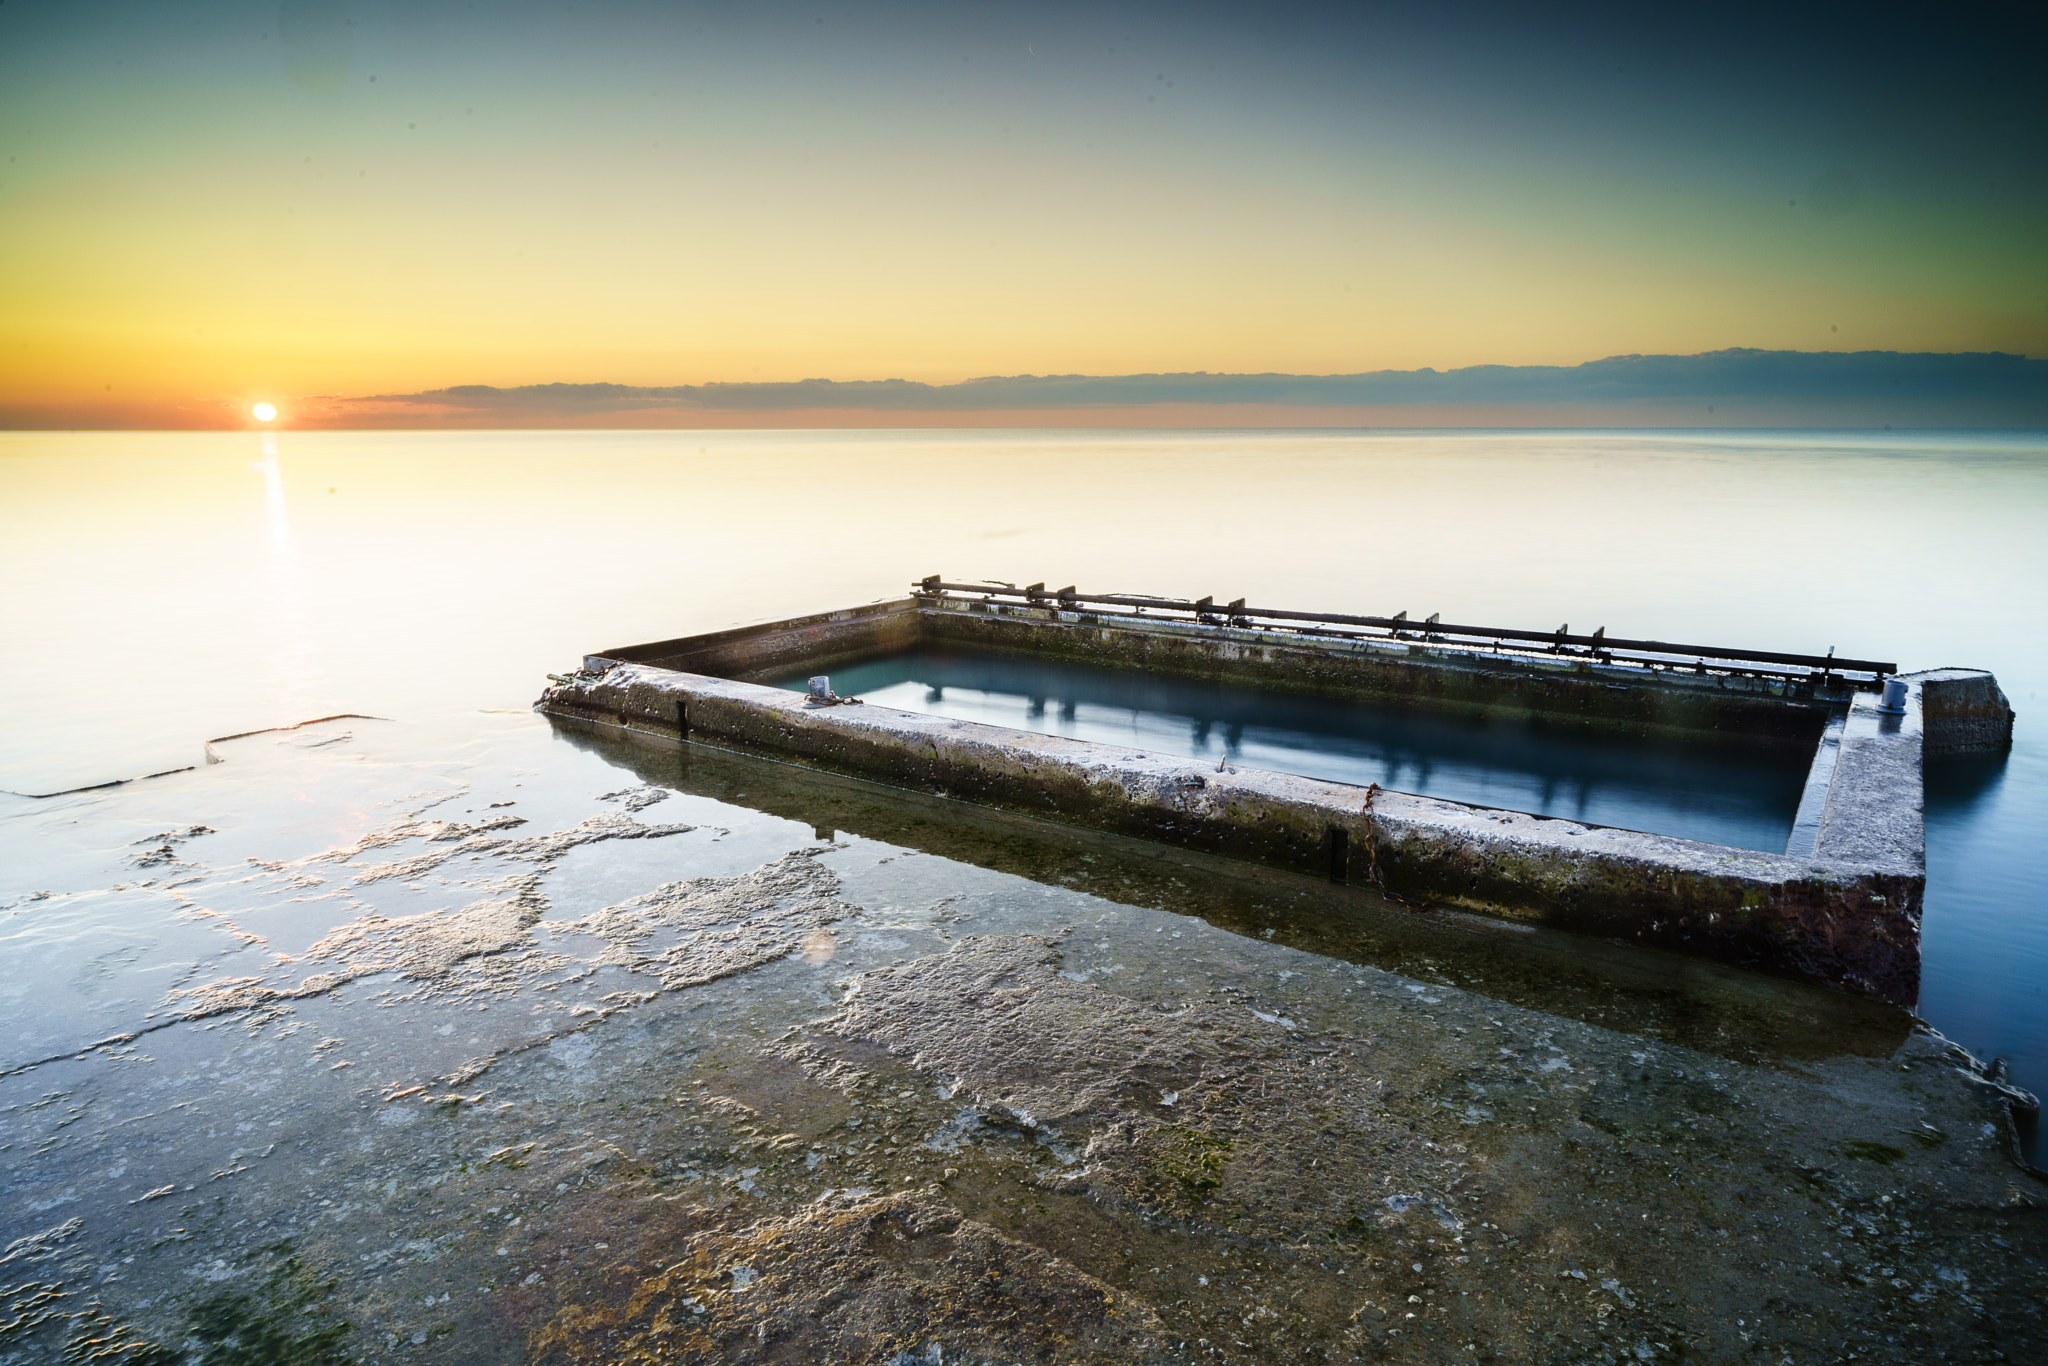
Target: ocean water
pixel 164 589
pixel 331 988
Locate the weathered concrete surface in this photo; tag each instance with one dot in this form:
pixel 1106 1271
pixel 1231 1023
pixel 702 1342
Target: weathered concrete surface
pixel 1965 711
pixel 1849 924
pixel 1024 1166
pixel 1876 804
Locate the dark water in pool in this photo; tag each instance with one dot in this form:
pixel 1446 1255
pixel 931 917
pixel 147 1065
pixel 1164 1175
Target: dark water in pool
pixel 1743 798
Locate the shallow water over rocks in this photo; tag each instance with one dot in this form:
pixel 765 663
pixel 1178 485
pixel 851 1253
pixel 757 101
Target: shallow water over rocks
pixel 500 1042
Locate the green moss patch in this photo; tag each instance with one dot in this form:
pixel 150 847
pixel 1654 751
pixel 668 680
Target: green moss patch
pixel 1194 1159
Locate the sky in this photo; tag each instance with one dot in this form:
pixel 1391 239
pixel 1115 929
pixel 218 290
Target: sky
pixel 316 203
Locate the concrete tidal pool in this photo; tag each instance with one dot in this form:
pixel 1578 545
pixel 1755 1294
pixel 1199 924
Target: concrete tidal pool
pixel 1840 904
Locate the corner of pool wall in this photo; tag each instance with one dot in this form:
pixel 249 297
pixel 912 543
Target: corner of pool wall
pixel 1868 799
pixel 1965 711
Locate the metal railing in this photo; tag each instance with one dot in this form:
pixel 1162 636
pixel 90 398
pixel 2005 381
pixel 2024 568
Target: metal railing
pixel 1599 647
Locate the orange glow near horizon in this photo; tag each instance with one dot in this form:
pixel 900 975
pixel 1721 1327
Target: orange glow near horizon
pixel 187 224
pixel 890 297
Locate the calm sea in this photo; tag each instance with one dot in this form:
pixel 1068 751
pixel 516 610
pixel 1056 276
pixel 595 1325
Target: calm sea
pixel 166 589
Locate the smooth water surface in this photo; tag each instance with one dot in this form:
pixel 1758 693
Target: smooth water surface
pixel 164 589
pixel 1744 798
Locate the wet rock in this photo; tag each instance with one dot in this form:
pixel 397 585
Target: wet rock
pixel 1085 1072
pixel 1104 1129
pixel 636 799
pixel 720 926
pixel 163 847
pixel 441 949
pixel 36 1247
pixel 888 1278
pixel 542 850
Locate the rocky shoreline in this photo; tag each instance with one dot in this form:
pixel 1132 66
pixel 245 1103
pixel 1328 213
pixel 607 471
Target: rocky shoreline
pixel 525 1050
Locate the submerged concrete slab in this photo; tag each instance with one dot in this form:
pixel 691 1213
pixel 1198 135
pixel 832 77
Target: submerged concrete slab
pixel 1842 910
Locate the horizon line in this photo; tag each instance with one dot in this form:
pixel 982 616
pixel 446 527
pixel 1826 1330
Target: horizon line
pixel 1728 388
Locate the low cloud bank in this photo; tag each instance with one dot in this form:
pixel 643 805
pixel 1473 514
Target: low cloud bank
pixel 2007 388
pixel 1719 389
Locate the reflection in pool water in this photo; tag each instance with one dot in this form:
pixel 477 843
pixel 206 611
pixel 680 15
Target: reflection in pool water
pixel 1742 797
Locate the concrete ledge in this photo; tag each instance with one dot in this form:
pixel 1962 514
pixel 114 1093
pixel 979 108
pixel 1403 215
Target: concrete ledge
pixel 1875 808
pixel 1848 921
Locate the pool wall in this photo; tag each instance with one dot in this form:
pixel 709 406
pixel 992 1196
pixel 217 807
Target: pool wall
pixel 1847 915
pixel 1710 709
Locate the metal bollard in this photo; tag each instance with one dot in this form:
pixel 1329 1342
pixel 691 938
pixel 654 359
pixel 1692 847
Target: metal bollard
pixel 1894 703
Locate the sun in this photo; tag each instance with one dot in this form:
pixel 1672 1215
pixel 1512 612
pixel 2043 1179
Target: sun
pixel 264 412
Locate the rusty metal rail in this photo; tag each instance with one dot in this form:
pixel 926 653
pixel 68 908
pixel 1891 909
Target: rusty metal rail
pixel 1599 646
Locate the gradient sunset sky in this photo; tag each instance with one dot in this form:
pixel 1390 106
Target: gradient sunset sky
pixel 207 203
